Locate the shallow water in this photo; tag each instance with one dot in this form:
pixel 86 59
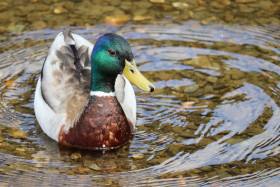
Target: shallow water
pixel 213 120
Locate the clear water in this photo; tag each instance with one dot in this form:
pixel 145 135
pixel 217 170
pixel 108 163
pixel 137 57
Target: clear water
pixel 213 120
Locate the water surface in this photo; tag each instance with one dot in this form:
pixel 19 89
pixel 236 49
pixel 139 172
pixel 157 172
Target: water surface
pixel 213 120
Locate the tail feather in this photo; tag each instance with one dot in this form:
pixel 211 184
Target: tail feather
pixel 68 38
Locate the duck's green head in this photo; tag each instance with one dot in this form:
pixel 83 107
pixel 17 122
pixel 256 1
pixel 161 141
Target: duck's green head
pixel 111 56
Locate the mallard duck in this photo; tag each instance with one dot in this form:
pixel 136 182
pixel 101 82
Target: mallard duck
pixel 84 97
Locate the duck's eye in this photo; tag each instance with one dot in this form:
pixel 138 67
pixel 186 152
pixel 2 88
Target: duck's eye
pixel 112 52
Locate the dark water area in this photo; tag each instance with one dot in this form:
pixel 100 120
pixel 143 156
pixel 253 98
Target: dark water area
pixel 214 118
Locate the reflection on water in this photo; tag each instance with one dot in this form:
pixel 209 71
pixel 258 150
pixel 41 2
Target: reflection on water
pixel 214 118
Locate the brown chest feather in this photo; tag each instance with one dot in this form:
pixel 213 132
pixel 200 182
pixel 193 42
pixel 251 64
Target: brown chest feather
pixel 102 125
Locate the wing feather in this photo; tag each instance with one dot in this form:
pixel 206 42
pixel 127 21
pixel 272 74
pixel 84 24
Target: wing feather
pixel 126 97
pixel 66 72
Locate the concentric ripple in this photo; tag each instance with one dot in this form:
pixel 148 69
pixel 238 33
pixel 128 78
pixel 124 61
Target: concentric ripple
pixel 213 120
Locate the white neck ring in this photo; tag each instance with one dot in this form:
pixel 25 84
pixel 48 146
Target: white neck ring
pixel 100 94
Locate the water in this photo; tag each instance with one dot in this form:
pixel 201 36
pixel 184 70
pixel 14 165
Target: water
pixel 213 120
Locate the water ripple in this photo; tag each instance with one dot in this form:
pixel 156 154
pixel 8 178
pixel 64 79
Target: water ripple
pixel 213 120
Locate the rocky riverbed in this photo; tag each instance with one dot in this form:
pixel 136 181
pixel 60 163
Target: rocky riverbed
pixel 18 16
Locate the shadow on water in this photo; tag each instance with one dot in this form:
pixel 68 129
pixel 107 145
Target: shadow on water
pixel 214 118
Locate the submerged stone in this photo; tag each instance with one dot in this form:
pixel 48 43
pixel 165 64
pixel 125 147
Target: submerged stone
pixel 157 1
pixel 137 156
pixel 212 79
pixel 75 156
pixel 186 133
pixel 180 5
pixel 233 141
pixel 191 88
pixel 237 74
pixel 16 28
pixel 245 1
pixel 2 29
pixel 95 167
pixel 39 25
pixel 206 168
pixel 18 134
pixel 117 19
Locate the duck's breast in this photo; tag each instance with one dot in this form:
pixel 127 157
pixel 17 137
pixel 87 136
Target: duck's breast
pixel 101 125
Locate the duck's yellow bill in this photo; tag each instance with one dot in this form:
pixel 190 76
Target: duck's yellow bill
pixel 135 77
